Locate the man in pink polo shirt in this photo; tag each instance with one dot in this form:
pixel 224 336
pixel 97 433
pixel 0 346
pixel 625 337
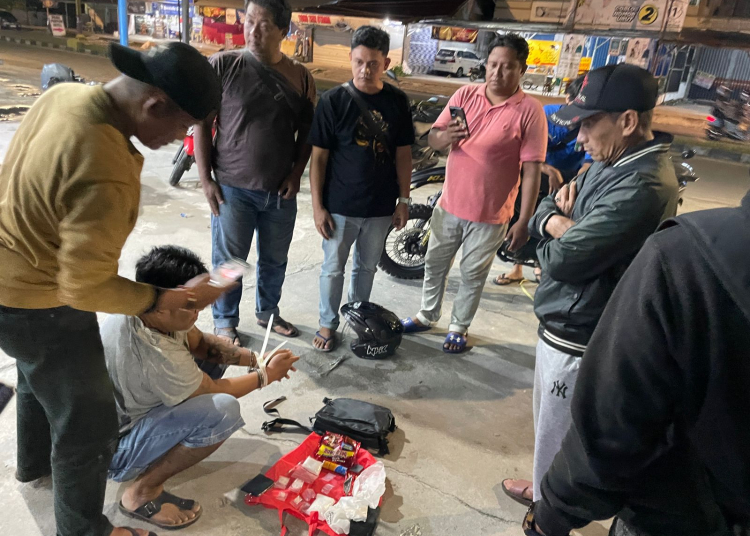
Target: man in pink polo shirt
pixel 506 132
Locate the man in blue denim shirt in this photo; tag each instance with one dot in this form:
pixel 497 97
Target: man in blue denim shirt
pixel 564 162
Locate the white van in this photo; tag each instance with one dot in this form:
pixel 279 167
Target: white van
pixel 457 62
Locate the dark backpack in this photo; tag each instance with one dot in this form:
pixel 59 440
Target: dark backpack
pixel 364 422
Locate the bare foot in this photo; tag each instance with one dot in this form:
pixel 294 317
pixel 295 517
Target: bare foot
pixel 135 497
pixel 322 344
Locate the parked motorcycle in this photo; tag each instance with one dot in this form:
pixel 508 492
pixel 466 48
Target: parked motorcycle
pixel 478 73
pixel 404 251
pixel 729 118
pixel 424 113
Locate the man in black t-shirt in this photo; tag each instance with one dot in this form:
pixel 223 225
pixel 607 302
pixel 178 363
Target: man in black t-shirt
pixel 360 169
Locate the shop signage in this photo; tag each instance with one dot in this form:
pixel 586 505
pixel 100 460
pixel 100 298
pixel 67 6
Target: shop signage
pixel 639 52
pixel 548 11
pixel 57 25
pixel 449 33
pixel 212 12
pixel 704 80
pixel 584 66
pixel 647 15
pixel 315 19
pixel 137 8
pixel 544 53
pixel 570 57
pixel 171 9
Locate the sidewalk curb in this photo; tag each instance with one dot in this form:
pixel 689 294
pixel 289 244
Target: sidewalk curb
pixel 44 44
pixel 712 152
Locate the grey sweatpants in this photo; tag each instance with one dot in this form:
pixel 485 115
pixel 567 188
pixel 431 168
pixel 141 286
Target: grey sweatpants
pixel 480 241
pixel 554 380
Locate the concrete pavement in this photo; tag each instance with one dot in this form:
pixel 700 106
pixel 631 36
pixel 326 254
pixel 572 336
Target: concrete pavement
pixel 464 421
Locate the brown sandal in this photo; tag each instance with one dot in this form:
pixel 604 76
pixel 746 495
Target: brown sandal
pixel 503 281
pixel 283 324
pixel 517 490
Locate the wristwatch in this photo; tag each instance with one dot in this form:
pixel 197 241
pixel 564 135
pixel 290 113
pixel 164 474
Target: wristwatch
pixel 405 200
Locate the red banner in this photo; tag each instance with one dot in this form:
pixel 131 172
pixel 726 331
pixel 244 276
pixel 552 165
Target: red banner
pixel 449 33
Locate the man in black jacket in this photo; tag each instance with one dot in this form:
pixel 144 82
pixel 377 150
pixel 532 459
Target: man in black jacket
pixel 590 231
pixel 661 428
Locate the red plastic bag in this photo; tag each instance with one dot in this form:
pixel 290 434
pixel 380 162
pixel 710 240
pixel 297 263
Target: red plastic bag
pixel 270 499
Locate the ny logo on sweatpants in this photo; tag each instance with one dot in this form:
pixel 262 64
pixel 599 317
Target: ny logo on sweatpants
pixel 559 389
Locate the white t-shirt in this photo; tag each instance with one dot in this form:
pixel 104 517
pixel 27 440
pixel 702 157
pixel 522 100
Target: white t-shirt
pixel 147 368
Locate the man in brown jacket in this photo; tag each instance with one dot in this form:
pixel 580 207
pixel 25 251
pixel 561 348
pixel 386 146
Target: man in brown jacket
pixel 69 196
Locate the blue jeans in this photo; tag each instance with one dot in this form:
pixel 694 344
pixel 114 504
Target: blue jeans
pixel 368 236
pixel 198 422
pixel 243 214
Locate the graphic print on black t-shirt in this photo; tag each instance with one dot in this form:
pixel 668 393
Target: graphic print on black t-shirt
pixel 361 178
pixel 364 138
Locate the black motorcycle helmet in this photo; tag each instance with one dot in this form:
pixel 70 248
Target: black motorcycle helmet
pixel 378 329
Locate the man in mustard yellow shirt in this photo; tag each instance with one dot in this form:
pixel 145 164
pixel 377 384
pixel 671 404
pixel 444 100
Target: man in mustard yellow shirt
pixel 69 195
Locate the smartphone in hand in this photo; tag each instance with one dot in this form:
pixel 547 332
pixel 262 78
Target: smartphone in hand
pixel 229 272
pixel 458 113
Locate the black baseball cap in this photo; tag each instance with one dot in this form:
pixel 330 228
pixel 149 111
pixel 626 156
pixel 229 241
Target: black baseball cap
pixel 614 88
pixel 178 69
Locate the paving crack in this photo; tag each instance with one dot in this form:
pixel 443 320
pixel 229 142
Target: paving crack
pixel 454 497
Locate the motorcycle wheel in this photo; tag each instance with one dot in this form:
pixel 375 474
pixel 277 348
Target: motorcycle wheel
pixel 473 77
pixel 184 163
pixel 178 154
pixel 403 255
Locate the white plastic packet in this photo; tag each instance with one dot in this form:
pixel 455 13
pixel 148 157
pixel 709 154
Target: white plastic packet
pixel 321 504
pixel 370 486
pixel 368 489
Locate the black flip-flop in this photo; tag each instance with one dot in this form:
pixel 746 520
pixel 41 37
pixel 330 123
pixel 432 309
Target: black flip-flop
pixel 151 508
pixel 134 532
pixel 278 321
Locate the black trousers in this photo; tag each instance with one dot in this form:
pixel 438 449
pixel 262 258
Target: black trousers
pixel 67 421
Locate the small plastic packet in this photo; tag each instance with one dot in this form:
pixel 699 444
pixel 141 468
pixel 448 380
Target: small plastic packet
pixel 282 495
pixel 296 501
pixel 300 473
pixel 297 486
pixel 281 483
pixel 304 507
pixel 328 477
pixel 309 495
pixel 321 504
pixel 312 465
pixel 325 490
